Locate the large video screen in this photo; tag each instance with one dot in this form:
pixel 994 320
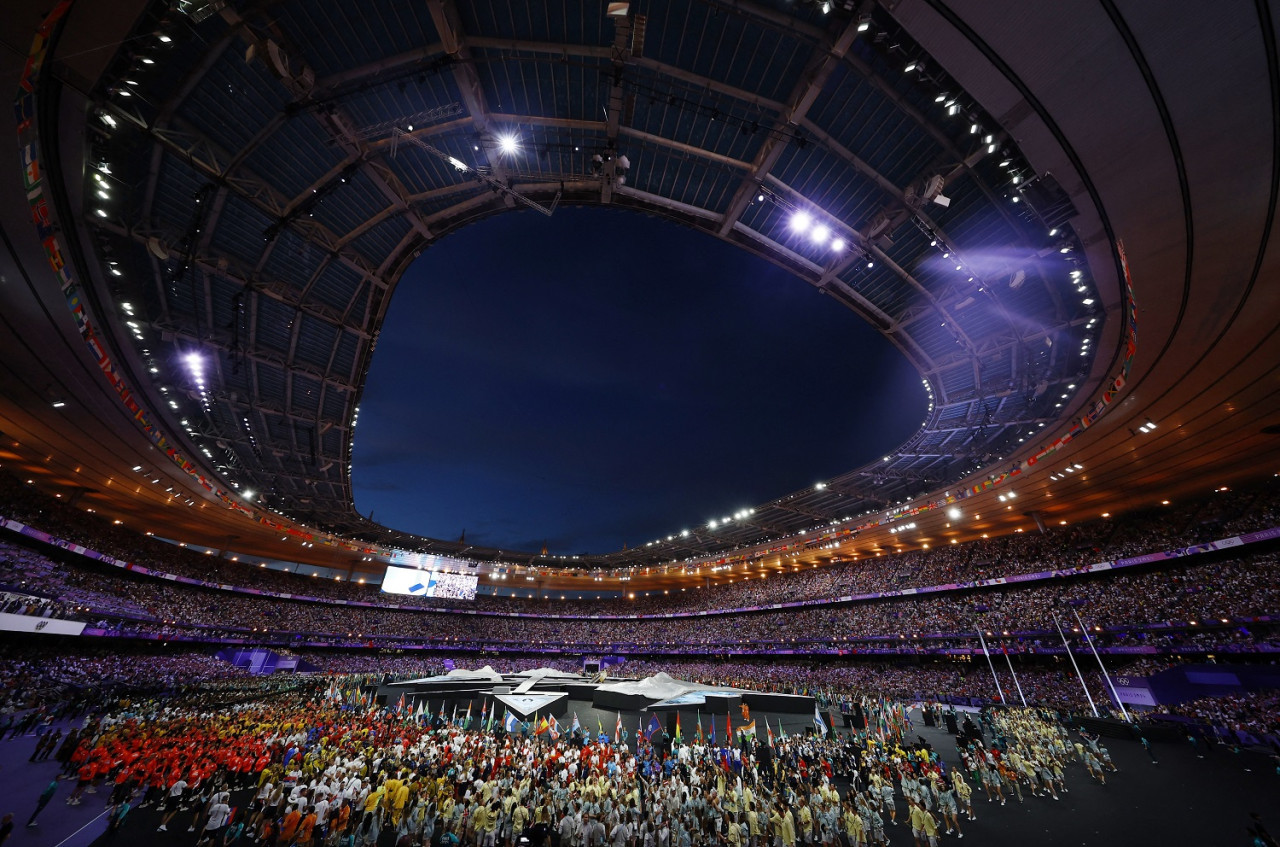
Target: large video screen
pixel 422 583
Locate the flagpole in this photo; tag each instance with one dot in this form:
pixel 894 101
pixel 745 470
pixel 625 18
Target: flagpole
pixel 1072 657
pixel 991 665
pixel 1105 675
pixel 1008 659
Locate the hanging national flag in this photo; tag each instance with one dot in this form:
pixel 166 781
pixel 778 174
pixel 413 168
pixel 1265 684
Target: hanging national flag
pixel 654 727
pixel 679 737
pixel 510 724
pixel 818 723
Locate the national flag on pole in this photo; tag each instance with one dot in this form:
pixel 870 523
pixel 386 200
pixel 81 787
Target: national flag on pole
pixel 400 704
pixel 554 728
pixel 466 721
pixel 749 729
pixel 441 715
pixel 711 739
pixel 484 710
pixel 617 730
pixel 818 723
pixel 543 727
pixel 654 727
pixel 453 716
pixel 768 730
pixel 575 726
pixel 599 726
pixel 679 737
pixel 509 723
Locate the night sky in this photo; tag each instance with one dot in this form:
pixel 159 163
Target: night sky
pixel 601 378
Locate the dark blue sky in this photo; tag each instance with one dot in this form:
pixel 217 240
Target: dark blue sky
pixel 602 377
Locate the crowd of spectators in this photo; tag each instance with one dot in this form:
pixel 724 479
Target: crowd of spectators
pixel 1254 714
pixel 1058 548
pixel 1189 604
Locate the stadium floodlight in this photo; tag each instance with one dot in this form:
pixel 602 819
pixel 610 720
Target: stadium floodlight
pixel 837 244
pixel 953 513
pixel 507 144
pixel 801 221
pixel 820 234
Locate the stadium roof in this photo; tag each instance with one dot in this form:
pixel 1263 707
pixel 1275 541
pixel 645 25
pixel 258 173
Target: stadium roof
pixel 238 187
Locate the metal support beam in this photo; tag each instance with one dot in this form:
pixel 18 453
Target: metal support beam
pixel 826 58
pixel 444 15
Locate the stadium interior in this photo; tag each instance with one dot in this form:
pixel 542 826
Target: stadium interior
pixel 1058 214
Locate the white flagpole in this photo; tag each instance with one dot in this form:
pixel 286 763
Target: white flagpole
pixel 1072 657
pixel 1105 675
pixel 991 665
pixel 1014 675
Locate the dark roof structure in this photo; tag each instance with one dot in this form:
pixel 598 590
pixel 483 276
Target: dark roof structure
pixel 239 187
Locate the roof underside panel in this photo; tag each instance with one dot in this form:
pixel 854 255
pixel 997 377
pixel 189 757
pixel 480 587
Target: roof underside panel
pixel 240 230
pixel 379 242
pixel 557 22
pixel 292 260
pixel 338 36
pixel 274 324
pixel 863 119
pixel 300 152
pixel 732 48
pixel 574 89
pixel 176 185
pixel 681 177
pixel 346 206
pixel 234 100
pixel 405 99
pixel 343 360
pixel 335 286
pixel 835 190
pixel 721 126
pixel 315 342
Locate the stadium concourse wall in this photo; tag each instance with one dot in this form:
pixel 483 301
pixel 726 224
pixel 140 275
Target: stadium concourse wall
pixel 868 645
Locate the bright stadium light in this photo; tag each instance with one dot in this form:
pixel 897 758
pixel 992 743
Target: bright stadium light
pixel 507 143
pixel 820 234
pixel 801 221
pixel 837 244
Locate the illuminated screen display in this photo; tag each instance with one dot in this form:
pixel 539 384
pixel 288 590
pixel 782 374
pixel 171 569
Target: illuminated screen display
pixel 426 583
